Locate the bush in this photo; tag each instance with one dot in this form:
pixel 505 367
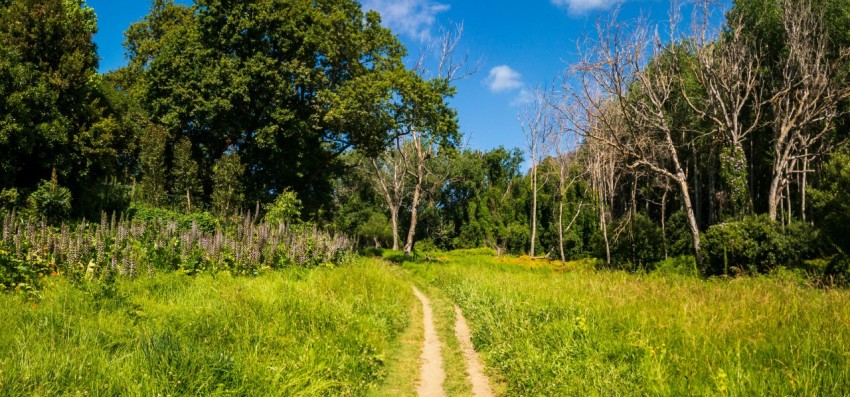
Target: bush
pixel 684 265
pixel 50 201
pixel 754 245
pixel 285 208
pixel 205 221
pixel 8 199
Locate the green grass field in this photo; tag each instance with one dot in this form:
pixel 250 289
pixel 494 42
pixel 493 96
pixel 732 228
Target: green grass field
pixel 305 332
pixel 545 332
pixel 356 330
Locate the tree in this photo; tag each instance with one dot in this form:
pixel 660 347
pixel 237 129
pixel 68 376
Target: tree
pixel 152 187
pixel 184 172
pixel 806 97
pixel 389 173
pixel 427 120
pixel 622 93
pixel 537 126
pixel 565 143
pixel 53 114
pixel 726 64
pixel 228 192
pixel 293 83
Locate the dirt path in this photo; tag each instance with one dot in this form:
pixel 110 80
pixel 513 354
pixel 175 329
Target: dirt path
pixel 480 382
pixel 432 375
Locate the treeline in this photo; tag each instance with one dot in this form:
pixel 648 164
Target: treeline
pixel 712 148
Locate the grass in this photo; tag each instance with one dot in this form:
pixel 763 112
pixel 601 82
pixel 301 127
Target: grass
pixel 560 332
pixel 315 332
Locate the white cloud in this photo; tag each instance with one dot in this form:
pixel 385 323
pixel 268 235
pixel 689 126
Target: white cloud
pixel 583 6
pixel 503 79
pixel 412 18
pixel 524 97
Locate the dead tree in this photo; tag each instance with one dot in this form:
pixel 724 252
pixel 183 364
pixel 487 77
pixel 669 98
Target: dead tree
pixel 805 101
pixel 620 94
pixel 389 174
pixel 725 63
pixel 537 126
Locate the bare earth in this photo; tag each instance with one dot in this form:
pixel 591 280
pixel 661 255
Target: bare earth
pixel 432 375
pixel 480 382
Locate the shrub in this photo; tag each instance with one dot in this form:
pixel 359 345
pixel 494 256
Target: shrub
pixel 8 199
pixel 754 245
pixel 684 265
pixel 50 201
pixel 285 208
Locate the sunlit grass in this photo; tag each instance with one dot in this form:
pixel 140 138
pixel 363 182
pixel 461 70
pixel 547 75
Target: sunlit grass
pixel 555 332
pixel 296 331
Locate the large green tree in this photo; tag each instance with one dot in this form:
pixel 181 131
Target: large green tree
pixel 54 109
pixel 292 83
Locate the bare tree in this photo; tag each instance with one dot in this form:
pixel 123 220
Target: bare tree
pixel 726 63
pixel 389 174
pixel 602 171
pixel 622 94
pixel 565 142
pixel 537 126
pixel 805 102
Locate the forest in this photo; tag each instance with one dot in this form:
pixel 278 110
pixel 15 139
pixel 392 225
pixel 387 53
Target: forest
pixel 719 144
pixel 294 161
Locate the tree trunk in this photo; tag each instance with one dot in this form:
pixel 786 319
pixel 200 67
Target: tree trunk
pixel 803 185
pixel 188 201
pixel 604 226
pixel 394 217
pixel 561 229
pixel 692 220
pixel 414 209
pixel 664 221
pixel 533 208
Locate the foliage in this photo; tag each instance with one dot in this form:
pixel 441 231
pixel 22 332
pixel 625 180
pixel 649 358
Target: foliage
pixel 754 245
pixel 50 201
pixel 638 243
pixel 184 173
pixel 152 187
pixel 9 199
pixel 228 191
pixel 285 209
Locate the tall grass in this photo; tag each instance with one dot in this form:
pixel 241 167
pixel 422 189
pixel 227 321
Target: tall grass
pixel 297 331
pixel 611 333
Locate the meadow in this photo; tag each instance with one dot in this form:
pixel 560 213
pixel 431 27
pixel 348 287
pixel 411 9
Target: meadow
pixel 554 330
pixel 543 329
pixel 307 332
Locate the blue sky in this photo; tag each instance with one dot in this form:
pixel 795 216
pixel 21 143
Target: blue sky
pixel 521 44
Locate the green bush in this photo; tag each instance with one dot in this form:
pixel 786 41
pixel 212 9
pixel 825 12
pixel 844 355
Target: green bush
pixel 754 245
pixel 50 201
pixel 205 221
pixel 8 199
pixel 684 265
pixel 285 208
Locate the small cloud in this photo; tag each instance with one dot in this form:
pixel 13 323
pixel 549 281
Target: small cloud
pixel 412 18
pixel 502 79
pixel 577 7
pixel 524 97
